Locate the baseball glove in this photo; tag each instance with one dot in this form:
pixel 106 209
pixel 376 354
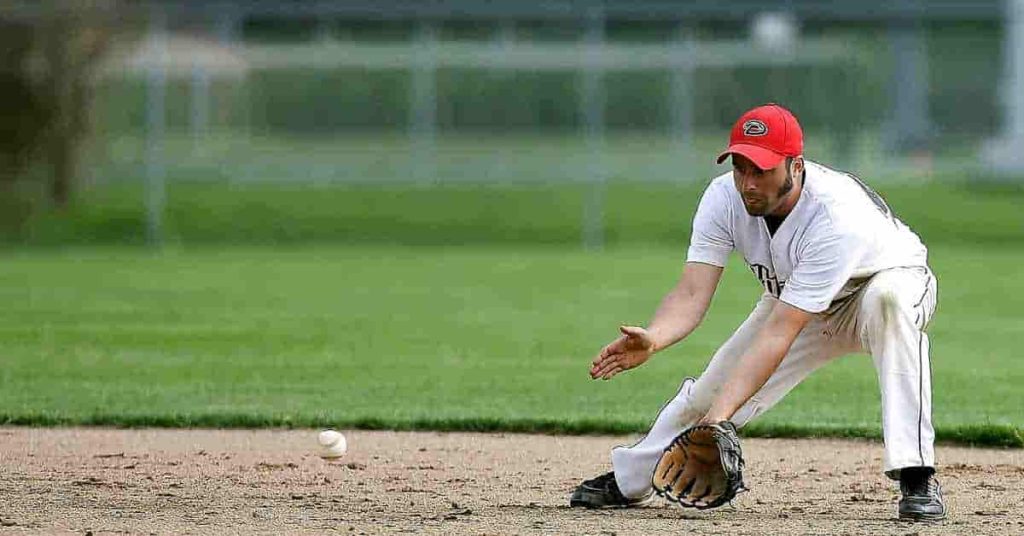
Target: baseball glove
pixel 702 467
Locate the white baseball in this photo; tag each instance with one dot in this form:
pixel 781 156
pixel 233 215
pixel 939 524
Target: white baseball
pixel 332 444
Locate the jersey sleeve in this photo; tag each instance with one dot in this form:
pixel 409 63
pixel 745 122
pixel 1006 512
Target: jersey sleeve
pixel 826 260
pixel 711 240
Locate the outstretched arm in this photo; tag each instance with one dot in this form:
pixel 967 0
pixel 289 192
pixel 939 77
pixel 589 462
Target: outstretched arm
pixel 680 312
pixel 759 362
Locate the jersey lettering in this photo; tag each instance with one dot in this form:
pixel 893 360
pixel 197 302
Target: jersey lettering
pixel 767 278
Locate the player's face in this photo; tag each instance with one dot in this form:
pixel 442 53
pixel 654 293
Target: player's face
pixel 763 190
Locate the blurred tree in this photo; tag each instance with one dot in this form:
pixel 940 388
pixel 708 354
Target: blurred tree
pixel 48 52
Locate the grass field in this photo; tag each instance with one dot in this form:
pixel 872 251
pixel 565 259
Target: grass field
pixel 949 210
pixel 442 337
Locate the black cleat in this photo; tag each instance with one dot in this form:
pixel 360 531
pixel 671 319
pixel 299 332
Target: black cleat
pixel 922 498
pixel 603 492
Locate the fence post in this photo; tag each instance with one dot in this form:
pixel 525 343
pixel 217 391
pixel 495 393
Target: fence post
pixel 681 95
pixel 156 91
pixel 592 104
pixel 1005 154
pixel 910 124
pixel 199 105
pixel 1014 88
pixel 423 102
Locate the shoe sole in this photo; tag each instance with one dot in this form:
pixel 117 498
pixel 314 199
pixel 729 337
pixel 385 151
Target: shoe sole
pixel 922 517
pixel 580 503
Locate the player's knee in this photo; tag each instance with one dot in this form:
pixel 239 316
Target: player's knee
pixel 694 402
pixel 883 297
pixel 884 300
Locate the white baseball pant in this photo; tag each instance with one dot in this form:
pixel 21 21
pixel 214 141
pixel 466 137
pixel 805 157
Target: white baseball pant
pixel 887 318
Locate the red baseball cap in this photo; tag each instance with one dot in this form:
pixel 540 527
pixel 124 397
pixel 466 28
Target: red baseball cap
pixel 765 135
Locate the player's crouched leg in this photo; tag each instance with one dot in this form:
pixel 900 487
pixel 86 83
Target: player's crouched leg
pixel 629 483
pixel 896 307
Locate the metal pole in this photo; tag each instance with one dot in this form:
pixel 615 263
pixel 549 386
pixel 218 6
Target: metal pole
pixel 1014 88
pixel 503 39
pixel 909 82
pixel 423 102
pixel 681 94
pixel 227 31
pixel 506 32
pixel 156 90
pixel 199 116
pixel 592 104
pixel 1005 154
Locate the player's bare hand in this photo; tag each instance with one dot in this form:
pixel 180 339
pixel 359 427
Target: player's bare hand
pixel 631 350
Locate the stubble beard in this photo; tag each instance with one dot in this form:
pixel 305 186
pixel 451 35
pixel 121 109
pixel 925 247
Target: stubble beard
pixel 765 209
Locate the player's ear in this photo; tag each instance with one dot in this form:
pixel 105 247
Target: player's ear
pixel 798 165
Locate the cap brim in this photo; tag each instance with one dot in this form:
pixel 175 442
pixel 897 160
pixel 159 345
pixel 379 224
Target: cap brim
pixel 761 157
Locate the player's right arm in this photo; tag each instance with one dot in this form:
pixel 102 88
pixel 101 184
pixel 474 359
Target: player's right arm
pixel 683 308
pixel 680 312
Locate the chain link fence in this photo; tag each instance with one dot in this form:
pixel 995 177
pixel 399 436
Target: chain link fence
pixel 243 98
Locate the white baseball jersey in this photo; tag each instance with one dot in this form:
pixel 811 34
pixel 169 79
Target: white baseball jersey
pixel 839 234
pixel 840 251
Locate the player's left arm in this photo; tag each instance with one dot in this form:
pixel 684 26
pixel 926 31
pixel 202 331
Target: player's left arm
pixel 759 362
pixel 826 260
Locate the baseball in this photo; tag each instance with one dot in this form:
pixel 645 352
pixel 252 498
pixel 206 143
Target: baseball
pixel 332 444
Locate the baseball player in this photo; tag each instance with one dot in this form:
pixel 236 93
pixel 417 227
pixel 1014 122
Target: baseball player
pixel 841 274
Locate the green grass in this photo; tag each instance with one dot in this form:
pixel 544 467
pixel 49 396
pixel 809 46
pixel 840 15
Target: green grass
pixel 440 337
pixel 947 211
pixel 446 307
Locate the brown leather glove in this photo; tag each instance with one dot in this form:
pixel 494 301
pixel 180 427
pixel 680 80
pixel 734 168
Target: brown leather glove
pixel 702 467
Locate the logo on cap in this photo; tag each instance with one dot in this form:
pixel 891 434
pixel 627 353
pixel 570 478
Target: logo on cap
pixel 754 128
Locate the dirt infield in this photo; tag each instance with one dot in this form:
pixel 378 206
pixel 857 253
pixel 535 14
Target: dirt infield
pixel 271 481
